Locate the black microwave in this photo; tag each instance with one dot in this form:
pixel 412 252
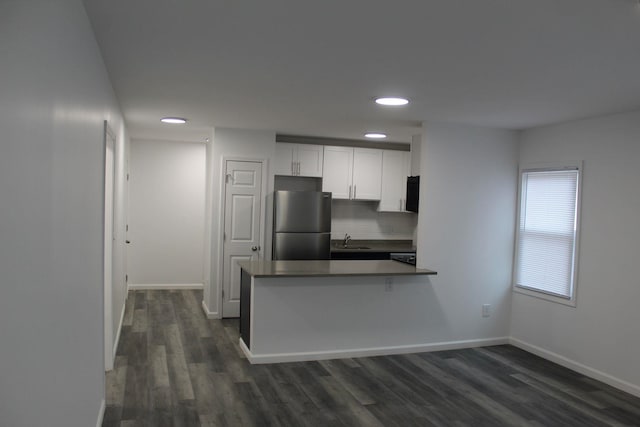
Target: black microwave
pixel 413 193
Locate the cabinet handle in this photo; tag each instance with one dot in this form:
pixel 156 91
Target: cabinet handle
pixel 354 191
pixel 298 168
pixel 349 192
pixel 400 204
pixel 293 168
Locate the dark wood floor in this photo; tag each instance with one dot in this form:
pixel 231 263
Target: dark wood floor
pixel 176 368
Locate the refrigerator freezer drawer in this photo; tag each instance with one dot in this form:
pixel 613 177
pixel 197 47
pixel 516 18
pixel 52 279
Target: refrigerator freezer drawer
pixel 301 246
pixel 302 212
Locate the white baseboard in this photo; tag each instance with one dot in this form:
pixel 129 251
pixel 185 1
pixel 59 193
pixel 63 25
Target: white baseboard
pixel 103 406
pixel 578 367
pixel 208 313
pixel 147 286
pixel 367 352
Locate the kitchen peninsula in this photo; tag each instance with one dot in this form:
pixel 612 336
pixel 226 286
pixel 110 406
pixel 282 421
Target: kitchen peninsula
pixel 311 310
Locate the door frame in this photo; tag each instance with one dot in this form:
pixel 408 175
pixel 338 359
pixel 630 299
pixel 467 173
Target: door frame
pixel 222 219
pixel 108 242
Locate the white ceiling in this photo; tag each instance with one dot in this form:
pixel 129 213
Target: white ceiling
pixel 313 68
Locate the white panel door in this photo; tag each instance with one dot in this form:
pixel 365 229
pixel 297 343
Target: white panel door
pixel 284 161
pixel 243 200
pixel 395 169
pixel 337 171
pixel 309 160
pixel 367 174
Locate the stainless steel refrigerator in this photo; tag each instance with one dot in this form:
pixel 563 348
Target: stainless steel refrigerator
pixel 301 225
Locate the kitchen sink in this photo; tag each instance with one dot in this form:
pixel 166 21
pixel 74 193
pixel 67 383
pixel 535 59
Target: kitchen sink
pixel 354 247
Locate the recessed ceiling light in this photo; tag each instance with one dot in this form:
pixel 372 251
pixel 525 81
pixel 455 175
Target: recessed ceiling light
pixel 392 101
pixel 174 120
pixel 375 135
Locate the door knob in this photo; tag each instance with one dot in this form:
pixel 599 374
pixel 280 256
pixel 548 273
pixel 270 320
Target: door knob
pixel 255 248
pixel 128 241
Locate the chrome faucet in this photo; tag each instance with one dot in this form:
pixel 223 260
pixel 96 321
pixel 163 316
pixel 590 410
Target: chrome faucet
pixel 345 242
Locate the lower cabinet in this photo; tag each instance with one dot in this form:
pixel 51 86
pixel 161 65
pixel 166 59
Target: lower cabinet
pixel 245 308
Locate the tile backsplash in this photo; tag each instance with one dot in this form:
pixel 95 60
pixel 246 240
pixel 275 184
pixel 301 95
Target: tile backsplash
pixel 361 221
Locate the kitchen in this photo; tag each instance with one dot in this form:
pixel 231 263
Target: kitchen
pixel 374 229
pixel 361 220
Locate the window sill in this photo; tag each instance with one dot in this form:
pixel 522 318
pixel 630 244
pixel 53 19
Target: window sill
pixel 546 297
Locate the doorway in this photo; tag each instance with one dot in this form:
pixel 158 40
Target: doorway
pixel 109 239
pixel 243 215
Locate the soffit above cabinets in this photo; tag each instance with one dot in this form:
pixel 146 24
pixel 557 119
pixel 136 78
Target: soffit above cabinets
pixel 343 142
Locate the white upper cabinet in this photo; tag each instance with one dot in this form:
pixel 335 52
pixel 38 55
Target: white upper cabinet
pixel 298 159
pixel 352 173
pixel 337 171
pixel 367 174
pixel 310 160
pixel 396 166
pixel 283 162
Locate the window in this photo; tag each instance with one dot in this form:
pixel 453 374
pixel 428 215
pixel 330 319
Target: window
pixel 547 235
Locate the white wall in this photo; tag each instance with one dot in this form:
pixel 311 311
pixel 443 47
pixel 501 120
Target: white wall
pixel 466 226
pixel 229 143
pixel 166 214
pixel 601 332
pixel 361 220
pixel 416 144
pixel 55 97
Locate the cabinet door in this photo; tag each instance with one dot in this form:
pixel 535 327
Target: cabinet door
pixel 395 169
pixel 337 171
pixel 367 174
pixel 309 160
pixel 283 164
pixel 407 172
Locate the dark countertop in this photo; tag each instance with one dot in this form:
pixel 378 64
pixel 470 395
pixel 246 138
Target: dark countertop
pixel 373 246
pixel 324 268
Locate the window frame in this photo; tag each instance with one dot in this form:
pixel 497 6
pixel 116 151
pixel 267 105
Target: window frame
pixel 541 294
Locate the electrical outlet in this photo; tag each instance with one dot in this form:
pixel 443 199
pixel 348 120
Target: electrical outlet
pixel 388 284
pixel 486 310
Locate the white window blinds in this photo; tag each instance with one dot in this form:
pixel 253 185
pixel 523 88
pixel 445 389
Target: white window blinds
pixel 547 233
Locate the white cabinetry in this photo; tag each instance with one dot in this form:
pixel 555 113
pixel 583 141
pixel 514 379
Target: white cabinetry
pixel 367 174
pixel 352 173
pixel 337 171
pixel 298 159
pixel 283 162
pixel 395 169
